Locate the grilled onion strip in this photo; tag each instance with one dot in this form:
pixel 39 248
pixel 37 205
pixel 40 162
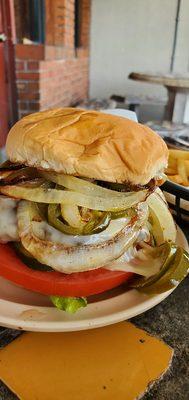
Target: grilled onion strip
pixel 54 196
pixel 67 258
pixel 83 186
pixel 72 216
pixel 163 225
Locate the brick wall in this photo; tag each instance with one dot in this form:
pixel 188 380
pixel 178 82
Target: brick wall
pixel 54 74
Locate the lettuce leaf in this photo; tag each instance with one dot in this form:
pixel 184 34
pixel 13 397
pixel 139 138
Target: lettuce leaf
pixel 69 304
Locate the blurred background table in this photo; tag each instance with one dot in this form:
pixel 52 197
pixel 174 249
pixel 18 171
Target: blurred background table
pixel 177 108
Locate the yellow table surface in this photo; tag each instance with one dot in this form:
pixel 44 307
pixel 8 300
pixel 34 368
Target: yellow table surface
pixel 115 362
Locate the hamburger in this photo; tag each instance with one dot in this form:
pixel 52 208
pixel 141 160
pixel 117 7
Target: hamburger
pixel 82 210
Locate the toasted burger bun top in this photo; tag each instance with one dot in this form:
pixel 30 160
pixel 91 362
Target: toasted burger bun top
pixel 88 144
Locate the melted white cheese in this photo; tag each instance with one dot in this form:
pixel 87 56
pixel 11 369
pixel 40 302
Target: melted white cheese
pixel 114 227
pixel 8 220
pixel 121 263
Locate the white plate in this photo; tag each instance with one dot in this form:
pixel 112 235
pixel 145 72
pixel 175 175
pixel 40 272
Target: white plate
pixel 22 309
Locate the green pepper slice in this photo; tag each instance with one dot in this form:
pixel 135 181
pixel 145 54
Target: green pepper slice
pixel 42 208
pixel 54 214
pixel 119 214
pixel 96 225
pixel 177 270
pixel 167 252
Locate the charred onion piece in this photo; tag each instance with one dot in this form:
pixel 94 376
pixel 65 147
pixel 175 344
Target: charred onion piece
pixel 127 187
pixel 19 176
pixel 9 166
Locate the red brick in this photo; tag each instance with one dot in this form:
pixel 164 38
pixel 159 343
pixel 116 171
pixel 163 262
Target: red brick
pixel 23 105
pixel 28 96
pixel 50 52
pixel 33 65
pixel 45 74
pixel 34 106
pixel 69 5
pixel 82 52
pixel 27 75
pixel 33 86
pixel 22 86
pixel 61 76
pixel 29 51
pixel 19 65
pixel 43 65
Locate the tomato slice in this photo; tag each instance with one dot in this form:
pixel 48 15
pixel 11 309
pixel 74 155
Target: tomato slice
pixel 57 283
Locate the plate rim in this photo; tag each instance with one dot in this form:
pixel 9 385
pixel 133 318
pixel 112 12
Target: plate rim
pixel 71 326
pixel 147 302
